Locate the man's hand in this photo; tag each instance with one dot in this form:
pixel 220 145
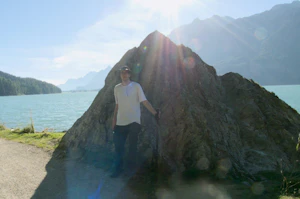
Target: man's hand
pixel 155 112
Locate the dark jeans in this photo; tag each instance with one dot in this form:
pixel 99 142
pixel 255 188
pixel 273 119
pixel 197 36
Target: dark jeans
pixel 120 136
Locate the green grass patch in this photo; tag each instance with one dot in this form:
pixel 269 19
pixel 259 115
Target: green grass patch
pixel 44 140
pixel 2 127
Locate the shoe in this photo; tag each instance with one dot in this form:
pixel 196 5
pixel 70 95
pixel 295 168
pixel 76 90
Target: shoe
pixel 116 173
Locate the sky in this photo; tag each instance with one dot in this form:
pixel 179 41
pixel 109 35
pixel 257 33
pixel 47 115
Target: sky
pixel 57 40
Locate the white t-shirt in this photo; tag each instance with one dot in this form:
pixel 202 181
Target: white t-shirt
pixel 128 99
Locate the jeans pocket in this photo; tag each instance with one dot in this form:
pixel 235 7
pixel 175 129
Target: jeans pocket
pixel 135 127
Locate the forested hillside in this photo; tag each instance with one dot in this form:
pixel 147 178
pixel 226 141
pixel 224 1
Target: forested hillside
pixel 11 85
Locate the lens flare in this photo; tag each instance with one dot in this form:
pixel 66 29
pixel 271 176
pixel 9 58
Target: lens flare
pixel 189 62
pixel 137 68
pixel 96 194
pixel 166 8
pixel 223 167
pixel 261 33
pixel 200 189
pixel 203 163
pixel 195 43
pixel 258 188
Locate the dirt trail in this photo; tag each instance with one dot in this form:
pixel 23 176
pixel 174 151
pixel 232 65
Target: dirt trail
pixel 29 172
pixel 22 168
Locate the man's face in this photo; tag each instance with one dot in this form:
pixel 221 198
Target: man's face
pixel 125 75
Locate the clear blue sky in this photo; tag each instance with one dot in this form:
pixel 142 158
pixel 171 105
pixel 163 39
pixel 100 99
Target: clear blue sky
pixel 61 39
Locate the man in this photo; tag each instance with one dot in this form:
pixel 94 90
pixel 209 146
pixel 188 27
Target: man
pixel 127 118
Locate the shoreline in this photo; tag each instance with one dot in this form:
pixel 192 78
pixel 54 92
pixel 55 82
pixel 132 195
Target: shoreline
pixel 46 140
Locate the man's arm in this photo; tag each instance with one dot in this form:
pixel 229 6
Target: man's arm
pixel 115 117
pixel 147 104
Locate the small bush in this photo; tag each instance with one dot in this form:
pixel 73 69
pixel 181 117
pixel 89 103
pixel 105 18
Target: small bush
pixel 2 127
pixel 28 129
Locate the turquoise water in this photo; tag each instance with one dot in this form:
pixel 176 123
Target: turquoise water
pixel 58 112
pixel 288 93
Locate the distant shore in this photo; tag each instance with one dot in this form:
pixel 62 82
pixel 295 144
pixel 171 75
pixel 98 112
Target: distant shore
pixel 77 91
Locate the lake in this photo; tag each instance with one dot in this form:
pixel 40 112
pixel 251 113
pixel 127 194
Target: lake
pixel 288 93
pixel 58 112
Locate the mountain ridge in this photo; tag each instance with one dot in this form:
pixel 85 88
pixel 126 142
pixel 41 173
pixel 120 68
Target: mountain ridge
pixel 261 47
pixel 91 81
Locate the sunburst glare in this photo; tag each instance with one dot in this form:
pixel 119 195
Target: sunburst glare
pixel 167 8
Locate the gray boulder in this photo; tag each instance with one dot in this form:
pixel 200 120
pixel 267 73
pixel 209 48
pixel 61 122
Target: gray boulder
pixel 225 124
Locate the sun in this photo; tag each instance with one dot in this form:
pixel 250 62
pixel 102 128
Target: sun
pixel 167 8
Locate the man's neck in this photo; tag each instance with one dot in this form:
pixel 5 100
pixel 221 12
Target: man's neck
pixel 126 82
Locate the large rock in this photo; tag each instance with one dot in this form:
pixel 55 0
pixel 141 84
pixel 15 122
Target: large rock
pixel 222 124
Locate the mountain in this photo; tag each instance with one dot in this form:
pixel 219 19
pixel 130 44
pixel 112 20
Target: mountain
pixel 72 84
pixel 263 47
pixel 91 81
pixel 97 82
pixel 226 126
pixel 12 85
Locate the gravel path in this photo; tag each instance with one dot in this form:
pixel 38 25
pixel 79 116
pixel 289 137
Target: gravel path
pixel 22 168
pixel 29 172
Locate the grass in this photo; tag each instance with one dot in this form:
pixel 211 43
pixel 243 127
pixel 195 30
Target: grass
pixel 45 140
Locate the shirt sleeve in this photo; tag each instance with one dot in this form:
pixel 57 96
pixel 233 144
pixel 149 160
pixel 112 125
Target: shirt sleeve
pixel 115 94
pixel 141 94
